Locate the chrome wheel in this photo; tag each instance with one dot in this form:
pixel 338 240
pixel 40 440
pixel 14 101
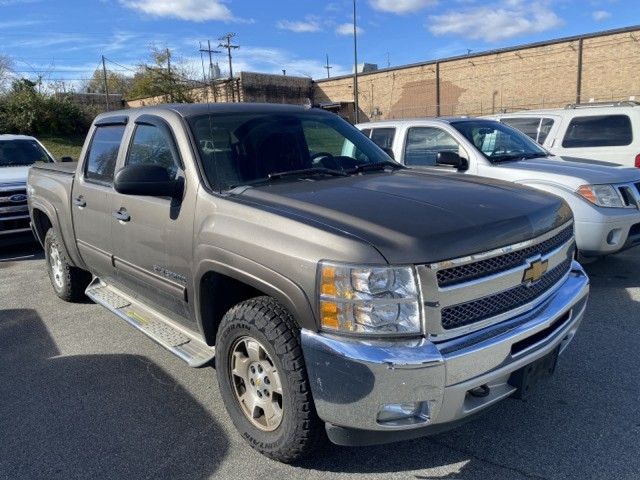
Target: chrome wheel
pixel 256 383
pixel 55 264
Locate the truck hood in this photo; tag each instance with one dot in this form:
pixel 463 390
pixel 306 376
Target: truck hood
pixel 571 173
pixel 418 217
pixel 13 175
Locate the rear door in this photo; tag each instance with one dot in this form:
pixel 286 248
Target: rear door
pixel 152 245
pixel 92 189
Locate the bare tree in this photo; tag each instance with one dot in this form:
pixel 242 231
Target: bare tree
pixel 6 72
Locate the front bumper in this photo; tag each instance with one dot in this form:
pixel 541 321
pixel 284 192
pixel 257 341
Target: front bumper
pixel 352 380
pixel 611 235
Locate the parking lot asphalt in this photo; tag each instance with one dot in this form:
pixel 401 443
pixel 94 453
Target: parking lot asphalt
pixel 83 395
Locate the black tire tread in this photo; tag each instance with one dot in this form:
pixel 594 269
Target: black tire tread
pixel 277 324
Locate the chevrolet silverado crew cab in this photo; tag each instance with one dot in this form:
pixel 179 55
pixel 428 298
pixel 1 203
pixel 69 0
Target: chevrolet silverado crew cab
pixel 605 199
pixel 339 294
pixel 17 154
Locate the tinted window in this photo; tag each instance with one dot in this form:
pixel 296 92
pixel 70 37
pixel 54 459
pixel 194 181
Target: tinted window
pixel 21 152
pixel 367 132
pixel 598 131
pixel 240 148
pixel 152 146
pixel 527 125
pixel 101 159
pixel 424 143
pixel 383 137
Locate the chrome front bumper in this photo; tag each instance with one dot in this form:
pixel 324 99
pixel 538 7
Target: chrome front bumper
pixel 352 380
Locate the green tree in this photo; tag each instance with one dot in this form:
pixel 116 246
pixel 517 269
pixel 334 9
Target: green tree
pixel 164 75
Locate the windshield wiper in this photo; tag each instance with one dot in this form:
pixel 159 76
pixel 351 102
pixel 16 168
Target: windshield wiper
pixel 301 173
pixel 374 167
pixel 307 172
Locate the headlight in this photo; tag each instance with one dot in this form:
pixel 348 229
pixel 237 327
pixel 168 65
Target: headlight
pixel 369 300
pixel 601 195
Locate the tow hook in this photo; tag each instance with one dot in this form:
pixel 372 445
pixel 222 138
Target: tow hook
pixel 481 391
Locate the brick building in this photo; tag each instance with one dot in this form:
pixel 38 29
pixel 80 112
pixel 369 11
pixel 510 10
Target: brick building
pixel 598 66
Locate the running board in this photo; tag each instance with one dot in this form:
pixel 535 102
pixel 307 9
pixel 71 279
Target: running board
pixel 156 326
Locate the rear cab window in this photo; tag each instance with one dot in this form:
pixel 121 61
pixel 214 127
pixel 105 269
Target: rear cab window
pixel 101 158
pixel 598 131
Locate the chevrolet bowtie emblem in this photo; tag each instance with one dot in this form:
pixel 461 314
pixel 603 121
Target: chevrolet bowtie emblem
pixel 535 272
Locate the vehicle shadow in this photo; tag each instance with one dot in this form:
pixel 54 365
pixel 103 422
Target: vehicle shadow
pixel 95 416
pixel 22 252
pixel 584 422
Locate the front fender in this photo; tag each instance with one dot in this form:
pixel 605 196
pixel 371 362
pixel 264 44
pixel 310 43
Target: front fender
pixel 268 281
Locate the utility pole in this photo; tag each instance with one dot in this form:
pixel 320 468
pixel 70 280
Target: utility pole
pixel 328 67
pixel 209 51
pixel 355 64
pixel 229 46
pixel 388 60
pixel 169 74
pixel 106 85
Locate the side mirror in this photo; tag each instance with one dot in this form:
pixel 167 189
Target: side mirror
pixel 389 152
pixel 147 180
pixel 66 159
pixel 451 159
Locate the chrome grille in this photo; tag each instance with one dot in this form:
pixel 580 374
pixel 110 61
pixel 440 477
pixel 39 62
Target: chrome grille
pixel 463 273
pixel 471 312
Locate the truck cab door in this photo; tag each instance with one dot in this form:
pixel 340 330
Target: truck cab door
pixel 152 236
pixel 92 189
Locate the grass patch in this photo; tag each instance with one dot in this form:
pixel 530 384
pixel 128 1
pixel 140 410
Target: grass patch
pixel 69 146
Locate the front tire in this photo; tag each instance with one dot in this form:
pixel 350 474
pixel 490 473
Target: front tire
pixel 68 282
pixel 263 380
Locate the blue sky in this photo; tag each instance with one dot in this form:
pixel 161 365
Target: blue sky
pixel 64 39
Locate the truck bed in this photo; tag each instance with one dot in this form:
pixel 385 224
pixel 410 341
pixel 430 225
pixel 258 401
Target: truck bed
pixel 68 168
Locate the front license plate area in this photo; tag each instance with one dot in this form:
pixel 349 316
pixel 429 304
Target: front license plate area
pixel 530 375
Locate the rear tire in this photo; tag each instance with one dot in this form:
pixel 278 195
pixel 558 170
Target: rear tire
pixel 262 376
pixel 68 282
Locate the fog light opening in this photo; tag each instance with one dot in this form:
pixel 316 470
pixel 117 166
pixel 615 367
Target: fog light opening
pixel 480 392
pixel 399 414
pixel 614 236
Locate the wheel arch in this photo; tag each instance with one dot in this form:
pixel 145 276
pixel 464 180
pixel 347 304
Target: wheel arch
pixel 220 286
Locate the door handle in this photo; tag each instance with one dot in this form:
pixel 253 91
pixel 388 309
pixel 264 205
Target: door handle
pixel 121 215
pixel 80 202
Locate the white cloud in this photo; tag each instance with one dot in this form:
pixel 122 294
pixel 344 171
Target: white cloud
pixel 601 15
pixel 347 29
pixel 401 6
pixel 299 26
pixel 192 10
pixel 506 19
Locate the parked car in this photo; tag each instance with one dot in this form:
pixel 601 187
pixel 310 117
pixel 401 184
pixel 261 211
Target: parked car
pixel 604 132
pixel 605 200
pixel 17 154
pixel 338 292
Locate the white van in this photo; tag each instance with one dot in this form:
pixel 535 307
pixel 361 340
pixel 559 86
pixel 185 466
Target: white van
pixel 608 132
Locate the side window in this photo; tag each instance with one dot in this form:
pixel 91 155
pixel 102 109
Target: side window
pixel 527 125
pixel 598 131
pixel 152 146
pixel 545 128
pixel 103 153
pixel 367 132
pixel 424 143
pixel 383 137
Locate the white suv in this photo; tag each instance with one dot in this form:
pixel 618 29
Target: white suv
pixel 608 132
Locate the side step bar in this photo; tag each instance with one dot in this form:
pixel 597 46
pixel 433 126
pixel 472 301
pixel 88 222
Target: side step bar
pixel 156 326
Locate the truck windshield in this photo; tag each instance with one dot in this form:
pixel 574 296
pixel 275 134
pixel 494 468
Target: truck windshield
pixel 499 142
pixel 248 148
pixel 21 152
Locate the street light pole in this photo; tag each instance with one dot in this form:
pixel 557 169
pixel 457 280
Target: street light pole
pixel 355 64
